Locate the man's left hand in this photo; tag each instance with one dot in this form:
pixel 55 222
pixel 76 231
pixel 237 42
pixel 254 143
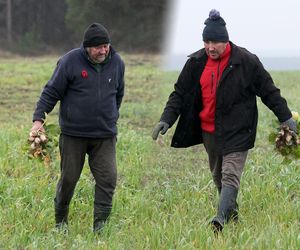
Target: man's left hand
pixel 291 123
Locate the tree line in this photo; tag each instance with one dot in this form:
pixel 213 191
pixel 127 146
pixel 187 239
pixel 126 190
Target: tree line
pixel 37 26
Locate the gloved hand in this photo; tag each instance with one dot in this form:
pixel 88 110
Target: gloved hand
pixel 291 123
pixel 161 127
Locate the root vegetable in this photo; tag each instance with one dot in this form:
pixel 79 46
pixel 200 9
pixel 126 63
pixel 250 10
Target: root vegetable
pixel 43 138
pixel 33 133
pixel 31 139
pixel 288 138
pixel 37 140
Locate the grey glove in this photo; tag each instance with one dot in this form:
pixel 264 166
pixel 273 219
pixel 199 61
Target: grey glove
pixel 161 127
pixel 291 123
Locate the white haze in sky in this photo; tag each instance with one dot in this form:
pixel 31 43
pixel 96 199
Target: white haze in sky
pixel 268 28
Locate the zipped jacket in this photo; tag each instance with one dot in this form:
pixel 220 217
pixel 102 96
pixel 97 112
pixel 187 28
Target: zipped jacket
pixel 89 98
pixel 236 111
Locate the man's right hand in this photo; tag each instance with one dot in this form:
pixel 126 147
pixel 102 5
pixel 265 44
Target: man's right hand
pixel 161 127
pixel 38 126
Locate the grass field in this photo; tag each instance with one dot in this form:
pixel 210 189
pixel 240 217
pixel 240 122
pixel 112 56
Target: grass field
pixel 164 198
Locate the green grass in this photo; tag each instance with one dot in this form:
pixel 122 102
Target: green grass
pixel 165 197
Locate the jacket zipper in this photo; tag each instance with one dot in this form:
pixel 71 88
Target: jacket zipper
pixel 212 82
pixel 218 75
pixel 99 84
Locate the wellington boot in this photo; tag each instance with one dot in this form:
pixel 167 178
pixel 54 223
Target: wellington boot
pixel 227 208
pixel 101 214
pixel 61 216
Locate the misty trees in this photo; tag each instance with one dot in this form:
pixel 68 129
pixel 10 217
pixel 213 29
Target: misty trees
pixel 133 24
pixel 34 25
pixel 31 24
pixel 8 21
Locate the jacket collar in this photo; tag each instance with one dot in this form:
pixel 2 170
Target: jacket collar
pixel 236 57
pixel 200 54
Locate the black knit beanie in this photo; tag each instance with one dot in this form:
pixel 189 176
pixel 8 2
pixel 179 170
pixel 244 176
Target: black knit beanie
pixel 95 35
pixel 215 29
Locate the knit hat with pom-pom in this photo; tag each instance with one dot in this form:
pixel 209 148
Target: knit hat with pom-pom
pixel 215 29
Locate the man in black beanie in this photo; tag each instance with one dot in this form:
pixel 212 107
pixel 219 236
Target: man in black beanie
pixel 215 100
pixel 89 83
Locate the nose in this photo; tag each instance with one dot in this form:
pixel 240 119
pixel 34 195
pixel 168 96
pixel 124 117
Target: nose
pixel 210 46
pixel 102 50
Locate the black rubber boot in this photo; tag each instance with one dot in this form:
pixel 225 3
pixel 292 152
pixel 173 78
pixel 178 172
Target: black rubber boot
pixel 228 208
pixel 61 216
pixel 101 214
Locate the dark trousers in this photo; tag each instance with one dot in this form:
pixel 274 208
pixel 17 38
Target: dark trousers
pixel 226 169
pixel 102 161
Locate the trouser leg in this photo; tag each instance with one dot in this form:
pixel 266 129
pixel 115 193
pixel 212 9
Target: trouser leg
pixel 226 170
pixel 72 152
pixel 102 161
pixel 232 168
pixel 215 159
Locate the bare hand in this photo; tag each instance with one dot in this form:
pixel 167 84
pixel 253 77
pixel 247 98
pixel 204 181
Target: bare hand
pixel 37 126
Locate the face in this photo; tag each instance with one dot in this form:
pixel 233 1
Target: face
pixel 214 49
pixel 98 53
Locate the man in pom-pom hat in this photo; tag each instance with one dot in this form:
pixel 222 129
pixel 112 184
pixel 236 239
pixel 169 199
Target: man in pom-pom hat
pixel 89 83
pixel 215 100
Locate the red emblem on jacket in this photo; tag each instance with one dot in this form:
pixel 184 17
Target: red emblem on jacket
pixel 84 74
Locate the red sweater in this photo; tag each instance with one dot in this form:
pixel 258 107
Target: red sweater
pixel 209 81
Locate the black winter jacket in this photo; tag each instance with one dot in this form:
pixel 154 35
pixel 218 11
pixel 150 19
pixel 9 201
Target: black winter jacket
pixel 89 99
pixel 236 110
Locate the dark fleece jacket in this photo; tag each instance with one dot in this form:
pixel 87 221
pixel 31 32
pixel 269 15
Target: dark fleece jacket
pixel 89 98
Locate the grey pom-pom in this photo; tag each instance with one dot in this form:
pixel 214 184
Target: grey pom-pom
pixel 214 14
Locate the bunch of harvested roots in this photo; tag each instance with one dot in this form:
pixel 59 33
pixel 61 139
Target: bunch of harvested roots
pixel 37 141
pixel 286 138
pixel 287 142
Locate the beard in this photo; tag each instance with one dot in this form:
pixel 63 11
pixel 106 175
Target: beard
pixel 99 59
